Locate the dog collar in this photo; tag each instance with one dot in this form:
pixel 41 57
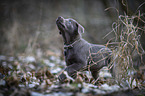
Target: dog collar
pixel 69 46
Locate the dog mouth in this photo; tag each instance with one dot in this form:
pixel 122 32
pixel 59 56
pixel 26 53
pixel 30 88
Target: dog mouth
pixel 60 23
pixel 61 27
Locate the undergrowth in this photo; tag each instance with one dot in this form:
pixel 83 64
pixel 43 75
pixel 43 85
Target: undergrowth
pixel 126 47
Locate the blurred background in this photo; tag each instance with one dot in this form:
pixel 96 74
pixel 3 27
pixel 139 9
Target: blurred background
pixel 28 26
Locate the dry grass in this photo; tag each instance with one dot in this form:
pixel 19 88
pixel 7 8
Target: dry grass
pixel 127 46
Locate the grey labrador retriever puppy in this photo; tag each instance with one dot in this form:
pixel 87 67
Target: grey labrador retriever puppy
pixel 79 54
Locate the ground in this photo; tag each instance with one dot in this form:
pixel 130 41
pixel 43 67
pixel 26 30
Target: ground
pixel 32 76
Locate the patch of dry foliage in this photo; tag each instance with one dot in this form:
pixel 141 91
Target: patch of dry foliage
pixel 127 49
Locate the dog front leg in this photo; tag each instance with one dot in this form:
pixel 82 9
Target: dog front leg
pixel 71 70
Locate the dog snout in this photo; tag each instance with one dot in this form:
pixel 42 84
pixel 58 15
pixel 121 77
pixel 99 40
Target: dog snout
pixel 60 19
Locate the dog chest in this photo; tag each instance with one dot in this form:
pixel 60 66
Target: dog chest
pixel 70 56
pixel 76 55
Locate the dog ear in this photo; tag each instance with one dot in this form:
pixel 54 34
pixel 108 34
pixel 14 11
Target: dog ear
pixel 80 28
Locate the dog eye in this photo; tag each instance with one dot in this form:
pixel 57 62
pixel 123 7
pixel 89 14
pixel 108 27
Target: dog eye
pixel 69 21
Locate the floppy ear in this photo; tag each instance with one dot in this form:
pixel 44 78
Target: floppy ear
pixel 80 28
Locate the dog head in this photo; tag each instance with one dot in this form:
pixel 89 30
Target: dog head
pixel 69 29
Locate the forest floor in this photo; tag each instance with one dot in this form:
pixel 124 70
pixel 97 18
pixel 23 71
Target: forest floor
pixel 37 76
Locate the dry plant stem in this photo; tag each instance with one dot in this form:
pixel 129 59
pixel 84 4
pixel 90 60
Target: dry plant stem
pixel 128 41
pixel 96 80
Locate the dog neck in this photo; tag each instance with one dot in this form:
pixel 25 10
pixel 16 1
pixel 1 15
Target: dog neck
pixel 69 46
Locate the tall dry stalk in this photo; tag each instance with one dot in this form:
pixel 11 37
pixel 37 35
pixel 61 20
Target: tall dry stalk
pixel 128 45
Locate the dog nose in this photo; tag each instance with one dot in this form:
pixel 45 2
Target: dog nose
pixel 60 18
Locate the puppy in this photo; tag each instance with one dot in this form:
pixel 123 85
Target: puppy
pixel 79 54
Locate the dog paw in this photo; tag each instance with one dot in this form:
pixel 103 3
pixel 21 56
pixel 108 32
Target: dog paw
pixel 62 77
